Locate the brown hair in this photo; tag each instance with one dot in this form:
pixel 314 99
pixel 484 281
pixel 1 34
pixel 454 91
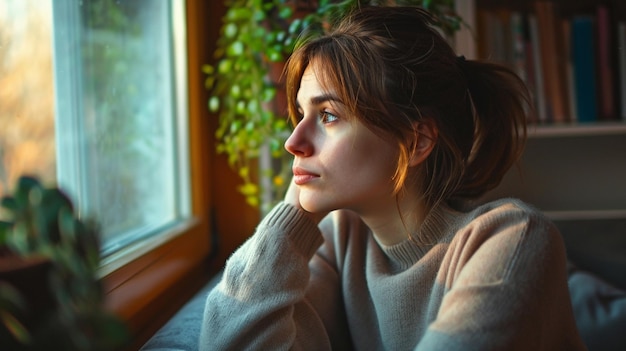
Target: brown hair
pixel 392 69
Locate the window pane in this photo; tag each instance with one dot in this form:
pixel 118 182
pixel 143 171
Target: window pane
pixel 118 146
pixel 112 126
pixel 26 92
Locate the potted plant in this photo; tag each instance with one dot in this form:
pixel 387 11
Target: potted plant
pixel 256 38
pixel 50 294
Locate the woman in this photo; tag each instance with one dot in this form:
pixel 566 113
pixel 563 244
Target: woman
pixel 397 137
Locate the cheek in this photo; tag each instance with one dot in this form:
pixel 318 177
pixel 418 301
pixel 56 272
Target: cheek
pixel 370 159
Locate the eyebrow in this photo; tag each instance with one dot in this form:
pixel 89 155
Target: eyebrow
pixel 316 100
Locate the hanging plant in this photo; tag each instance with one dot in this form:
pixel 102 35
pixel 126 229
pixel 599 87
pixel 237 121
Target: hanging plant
pixel 256 38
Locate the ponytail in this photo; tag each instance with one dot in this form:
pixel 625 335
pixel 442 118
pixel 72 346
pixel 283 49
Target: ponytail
pixel 498 100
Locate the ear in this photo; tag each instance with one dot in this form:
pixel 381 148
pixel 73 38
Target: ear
pixel 424 139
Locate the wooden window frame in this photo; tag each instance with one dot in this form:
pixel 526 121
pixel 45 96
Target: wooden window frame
pixel 146 288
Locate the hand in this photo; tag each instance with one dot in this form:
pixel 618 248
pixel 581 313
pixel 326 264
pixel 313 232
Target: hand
pixel 293 197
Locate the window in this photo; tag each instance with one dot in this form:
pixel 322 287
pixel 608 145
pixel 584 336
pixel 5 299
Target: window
pixel 146 286
pixel 98 92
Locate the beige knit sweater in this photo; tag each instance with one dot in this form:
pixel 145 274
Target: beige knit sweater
pixel 491 277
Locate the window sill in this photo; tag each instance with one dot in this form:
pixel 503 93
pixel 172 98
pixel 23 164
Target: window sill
pixel 145 286
pixel 133 252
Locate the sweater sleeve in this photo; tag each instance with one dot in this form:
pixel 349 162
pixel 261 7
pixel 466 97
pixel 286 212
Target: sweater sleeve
pixel 261 301
pixel 506 288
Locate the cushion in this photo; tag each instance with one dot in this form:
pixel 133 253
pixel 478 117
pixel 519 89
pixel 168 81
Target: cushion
pixel 598 247
pixel 599 309
pixel 182 331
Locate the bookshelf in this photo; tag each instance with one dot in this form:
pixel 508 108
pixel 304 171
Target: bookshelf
pixel 574 165
pixel 577 129
pixel 571 53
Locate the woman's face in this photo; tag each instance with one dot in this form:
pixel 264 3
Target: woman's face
pixel 339 163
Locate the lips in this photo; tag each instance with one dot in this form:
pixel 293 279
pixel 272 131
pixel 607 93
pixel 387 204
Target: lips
pixel 302 176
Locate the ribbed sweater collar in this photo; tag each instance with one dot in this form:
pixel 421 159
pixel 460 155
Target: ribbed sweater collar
pixel 439 227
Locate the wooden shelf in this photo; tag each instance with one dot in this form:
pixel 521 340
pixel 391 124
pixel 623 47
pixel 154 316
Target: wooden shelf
pixel 586 214
pixel 577 129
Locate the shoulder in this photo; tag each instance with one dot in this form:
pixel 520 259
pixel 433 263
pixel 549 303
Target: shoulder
pixel 513 218
pixel 504 205
pixel 499 215
pixel 507 236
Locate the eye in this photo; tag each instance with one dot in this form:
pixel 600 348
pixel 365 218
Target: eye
pixel 328 117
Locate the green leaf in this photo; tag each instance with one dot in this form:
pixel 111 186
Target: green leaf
pixel 285 12
pixel 259 16
pixel 235 91
pixel 5 228
pixel 35 196
pixel 208 69
pixel 280 125
pixel 280 37
pixel 235 126
pixel 274 55
pixel 235 49
pixel 253 107
pixel 209 83
pixel 238 14
pixel 241 107
pixel 10 204
pixel 26 183
pixel 244 172
pixel 275 145
pixel 269 94
pixel 294 27
pixel 15 327
pixel 18 239
pixel 214 104
pixel 253 201
pixel 230 30
pixel 225 66
pixel 250 127
pixel 67 224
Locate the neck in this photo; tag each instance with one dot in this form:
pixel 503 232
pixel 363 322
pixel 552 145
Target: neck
pixel 393 222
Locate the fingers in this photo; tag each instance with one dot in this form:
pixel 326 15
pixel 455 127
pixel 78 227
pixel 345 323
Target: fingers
pixel 293 197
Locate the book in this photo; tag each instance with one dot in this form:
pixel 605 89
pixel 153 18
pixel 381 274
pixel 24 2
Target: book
pixel 621 54
pixel 518 45
pixel 536 70
pixel 521 56
pixel 584 66
pixel 606 102
pixel 495 39
pixel 484 26
pixel 552 57
pixel 566 27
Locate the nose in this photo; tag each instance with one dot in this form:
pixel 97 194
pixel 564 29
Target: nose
pixel 299 142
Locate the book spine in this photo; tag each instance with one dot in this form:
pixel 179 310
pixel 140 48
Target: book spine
pixel 566 27
pixel 552 58
pixel 521 55
pixel 539 92
pixel 621 50
pixel 518 45
pixel 583 47
pixel 606 110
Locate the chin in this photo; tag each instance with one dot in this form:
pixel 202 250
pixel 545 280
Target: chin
pixel 315 204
